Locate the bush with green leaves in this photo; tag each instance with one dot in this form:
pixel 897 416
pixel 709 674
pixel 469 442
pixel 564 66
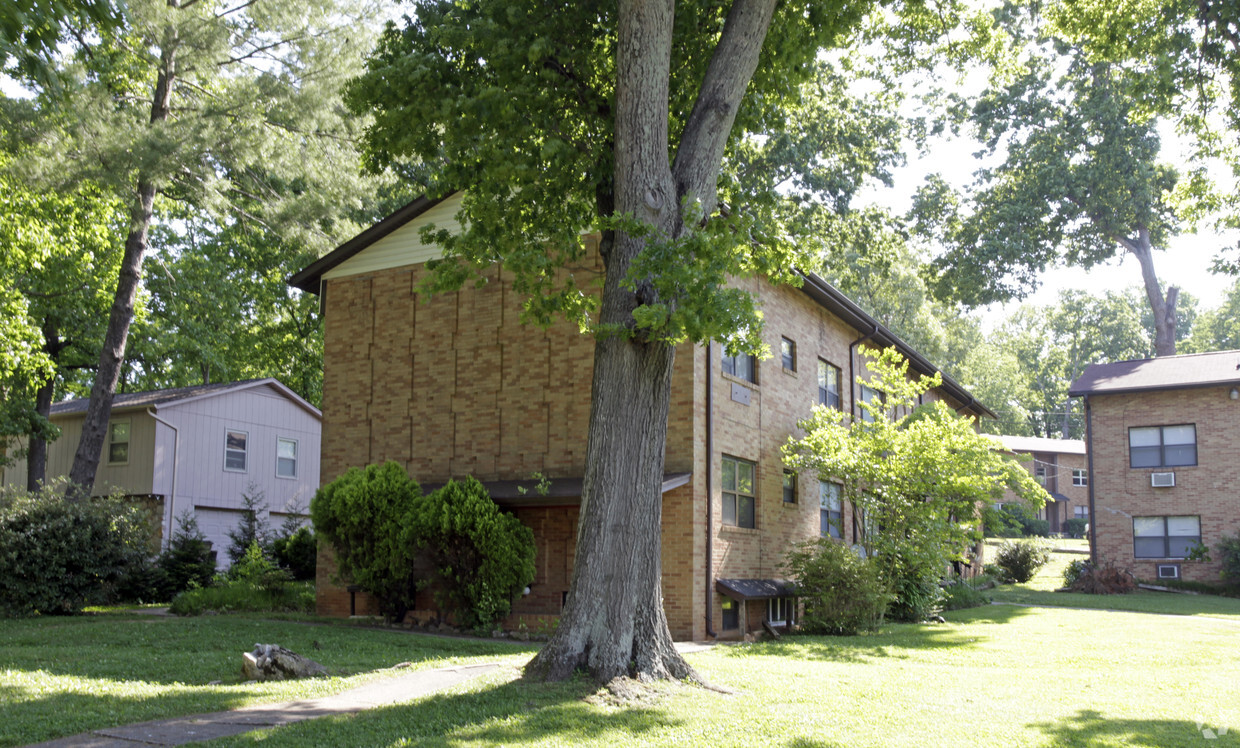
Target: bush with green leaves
pixel 59 556
pixel 1229 555
pixel 843 593
pixel 1075 527
pixel 187 562
pixel 1075 570
pixel 960 595
pixel 1019 560
pixel 482 557
pixel 1015 520
pixel 253 527
pixel 298 552
pixel 252 584
pixel 366 516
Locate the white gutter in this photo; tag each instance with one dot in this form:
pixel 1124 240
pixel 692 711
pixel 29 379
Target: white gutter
pixel 176 449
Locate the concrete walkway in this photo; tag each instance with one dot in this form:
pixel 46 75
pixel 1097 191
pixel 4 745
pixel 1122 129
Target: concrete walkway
pixel 194 728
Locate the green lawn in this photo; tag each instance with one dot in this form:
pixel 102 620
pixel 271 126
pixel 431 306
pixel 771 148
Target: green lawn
pixel 61 676
pixel 998 675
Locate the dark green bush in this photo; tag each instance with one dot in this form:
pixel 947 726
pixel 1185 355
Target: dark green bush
pixel 366 515
pixel 1014 520
pixel 842 592
pixel 187 562
pixel 1075 570
pixel 482 557
pixel 960 595
pixel 1019 560
pixel 917 598
pixel 58 556
pixel 297 552
pixel 253 527
pixel 1075 527
pixel 1229 554
pixel 237 596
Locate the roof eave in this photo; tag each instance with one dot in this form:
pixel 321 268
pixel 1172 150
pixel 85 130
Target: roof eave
pixel 1074 392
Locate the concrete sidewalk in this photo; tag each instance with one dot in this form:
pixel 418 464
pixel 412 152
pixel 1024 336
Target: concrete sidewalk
pixel 191 729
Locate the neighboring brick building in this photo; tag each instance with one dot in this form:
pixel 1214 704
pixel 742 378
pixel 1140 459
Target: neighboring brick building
pixel 1162 436
pixel 1060 466
pixel 456 386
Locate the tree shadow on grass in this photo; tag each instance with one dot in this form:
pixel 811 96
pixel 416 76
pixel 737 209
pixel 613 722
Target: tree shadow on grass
pixel 893 641
pixel 1090 727
pixel 511 713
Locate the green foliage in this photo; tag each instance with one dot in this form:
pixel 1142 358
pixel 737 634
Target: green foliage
pixel 366 514
pixel 57 557
pixel 241 595
pixel 1019 560
pixel 961 594
pixel 1014 520
pixel 843 593
pixel 298 553
pixel 253 527
pixel 257 570
pixel 1229 555
pixel 918 478
pixel 483 558
pixel 186 563
pixel 1075 570
pixel 1075 527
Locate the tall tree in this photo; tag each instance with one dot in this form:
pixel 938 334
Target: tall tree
pixel 1217 329
pixel 633 119
pixel 216 107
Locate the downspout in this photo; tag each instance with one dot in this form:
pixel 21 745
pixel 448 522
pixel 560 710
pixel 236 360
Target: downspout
pixel 852 373
pixel 176 450
pixel 710 492
pixel 1089 462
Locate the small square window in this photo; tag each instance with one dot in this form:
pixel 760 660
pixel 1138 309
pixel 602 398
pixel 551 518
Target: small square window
pixel 1162 446
pixel 286 458
pixel 790 487
pixel 1081 512
pixel 118 443
pixel 1080 477
pixel 235 450
pixel 788 354
pixel 731 618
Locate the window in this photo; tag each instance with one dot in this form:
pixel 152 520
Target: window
pixel 1162 446
pixel 1165 537
pixel 1081 512
pixel 731 619
pixel 286 458
pixel 831 509
pixel 790 487
pixel 118 443
pixel 828 385
pixel 1080 477
pixel 872 396
pixel 1039 474
pixel 738 493
pixel 779 610
pixel 788 354
pixel 235 450
pixel 742 365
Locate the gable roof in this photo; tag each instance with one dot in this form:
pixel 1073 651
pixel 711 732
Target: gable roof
pixel 1164 373
pixel 1026 444
pixel 310 278
pixel 180 395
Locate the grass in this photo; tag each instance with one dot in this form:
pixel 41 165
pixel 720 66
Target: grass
pixel 999 675
pixel 65 675
pixel 1041 591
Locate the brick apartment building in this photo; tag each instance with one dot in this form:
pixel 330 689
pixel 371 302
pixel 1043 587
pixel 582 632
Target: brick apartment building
pixel 1162 436
pixel 455 386
pixel 1060 466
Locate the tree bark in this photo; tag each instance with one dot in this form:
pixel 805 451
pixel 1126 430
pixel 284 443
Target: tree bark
pixel 613 622
pixel 1162 307
pixel 36 452
pixel 112 354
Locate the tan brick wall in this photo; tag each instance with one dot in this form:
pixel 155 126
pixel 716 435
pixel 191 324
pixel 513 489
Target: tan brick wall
pixel 1208 490
pixel 1059 480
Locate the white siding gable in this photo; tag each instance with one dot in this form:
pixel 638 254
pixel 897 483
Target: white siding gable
pixel 404 246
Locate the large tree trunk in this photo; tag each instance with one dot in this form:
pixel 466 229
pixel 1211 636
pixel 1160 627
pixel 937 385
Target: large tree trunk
pixel 613 621
pixel 1162 307
pixel 112 354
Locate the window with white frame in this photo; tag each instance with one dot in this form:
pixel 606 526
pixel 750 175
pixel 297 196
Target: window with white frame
pixel 236 449
pixel 1080 477
pixel 788 354
pixel 1165 537
pixel 742 366
pixel 828 385
pixel 738 492
pixel 1162 446
pixel 1039 474
pixel 1081 512
pixel 286 458
pixel 118 443
pixel 779 610
pixel 831 509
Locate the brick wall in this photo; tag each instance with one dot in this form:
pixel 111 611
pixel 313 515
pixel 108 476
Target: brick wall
pixel 1207 490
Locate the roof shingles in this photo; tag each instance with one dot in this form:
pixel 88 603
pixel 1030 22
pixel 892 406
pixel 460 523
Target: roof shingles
pixel 1164 373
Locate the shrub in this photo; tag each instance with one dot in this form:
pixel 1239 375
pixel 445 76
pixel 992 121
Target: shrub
pixel 253 527
pixel 960 595
pixel 237 596
pixel 1074 571
pixel 1019 560
pixel 186 563
pixel 483 558
pixel 842 592
pixel 1229 554
pixel 918 598
pixel 366 515
pixel 1104 579
pixel 297 552
pixel 58 556
pixel 1075 527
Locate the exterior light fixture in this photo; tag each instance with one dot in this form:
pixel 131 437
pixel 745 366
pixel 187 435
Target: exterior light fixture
pixel 1235 393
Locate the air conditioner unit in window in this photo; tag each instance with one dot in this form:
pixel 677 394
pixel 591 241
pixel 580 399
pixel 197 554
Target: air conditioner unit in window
pixel 1162 480
pixel 1168 571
